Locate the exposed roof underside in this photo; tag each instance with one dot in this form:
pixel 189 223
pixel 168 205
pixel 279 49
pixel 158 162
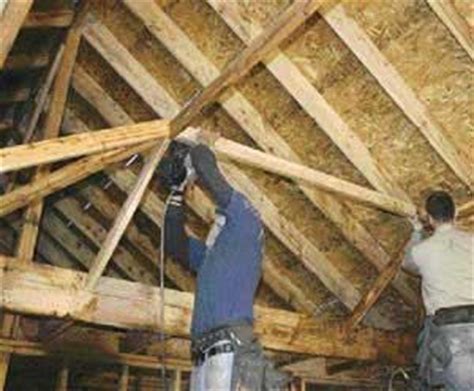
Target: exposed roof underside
pixel 378 93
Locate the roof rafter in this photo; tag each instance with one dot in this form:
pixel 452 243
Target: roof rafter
pixel 393 83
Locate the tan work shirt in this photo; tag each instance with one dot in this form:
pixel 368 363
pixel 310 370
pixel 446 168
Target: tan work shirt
pixel 445 262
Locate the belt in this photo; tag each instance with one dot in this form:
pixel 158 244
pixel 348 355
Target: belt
pixel 454 315
pixel 200 358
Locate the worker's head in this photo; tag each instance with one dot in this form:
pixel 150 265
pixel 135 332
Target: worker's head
pixel 174 168
pixel 440 208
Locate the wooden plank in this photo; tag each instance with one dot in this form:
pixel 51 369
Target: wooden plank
pixel 278 30
pixel 43 290
pixel 62 378
pixel 62 148
pixel 260 130
pixel 393 83
pixel 52 126
pixel 11 20
pixel 15 95
pixel 126 214
pixel 177 381
pixel 64 177
pixel 18 61
pixel 465 210
pixel 456 24
pixel 291 78
pixel 243 154
pixel 58 18
pixel 123 382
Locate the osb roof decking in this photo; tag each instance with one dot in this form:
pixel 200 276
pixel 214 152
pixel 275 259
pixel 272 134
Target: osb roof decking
pixel 408 34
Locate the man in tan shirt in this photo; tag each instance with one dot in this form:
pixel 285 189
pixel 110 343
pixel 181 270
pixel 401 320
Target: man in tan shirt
pixel 445 263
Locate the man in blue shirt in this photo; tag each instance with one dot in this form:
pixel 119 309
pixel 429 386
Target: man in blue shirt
pixel 226 354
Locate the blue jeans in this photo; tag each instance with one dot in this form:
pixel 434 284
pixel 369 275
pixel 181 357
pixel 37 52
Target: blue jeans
pixel 459 373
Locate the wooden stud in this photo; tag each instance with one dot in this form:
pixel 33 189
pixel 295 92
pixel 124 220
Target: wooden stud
pixel 279 30
pixel 62 378
pixel 11 20
pixel 49 291
pixel 455 23
pixel 124 375
pixel 177 381
pixel 126 214
pixel 262 132
pixel 385 73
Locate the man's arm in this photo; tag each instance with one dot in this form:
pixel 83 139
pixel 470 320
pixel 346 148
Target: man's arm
pixel 417 237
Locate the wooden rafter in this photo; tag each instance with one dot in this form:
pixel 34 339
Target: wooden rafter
pixel 456 24
pixel 276 32
pixel 38 59
pixel 53 18
pixel 291 78
pixel 393 83
pixel 11 20
pixel 466 210
pixel 44 290
pixel 253 123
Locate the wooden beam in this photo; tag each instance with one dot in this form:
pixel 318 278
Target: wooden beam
pixel 52 126
pixel 279 30
pixel 270 163
pixel 48 291
pixel 15 95
pixel 11 20
pixel 466 210
pixel 17 61
pixel 378 287
pixel 62 148
pixel 62 378
pixel 64 177
pixel 390 79
pixel 254 124
pixel 123 382
pixel 177 381
pixel 455 23
pixel 126 214
pixel 291 78
pixel 55 18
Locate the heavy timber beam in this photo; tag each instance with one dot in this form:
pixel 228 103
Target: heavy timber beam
pixel 11 20
pixel 49 291
pixel 258 128
pixel 280 29
pixel 393 83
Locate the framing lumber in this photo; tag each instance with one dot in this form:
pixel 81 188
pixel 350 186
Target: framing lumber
pixel 62 378
pixel 123 382
pixel 291 78
pixel 55 18
pixel 64 177
pixel 62 148
pixel 260 130
pixel 454 22
pixel 52 126
pixel 11 20
pixel 466 210
pixel 295 15
pixel 312 257
pixel 49 291
pixel 392 82
pixel 125 216
pixel 38 59
pixel 18 95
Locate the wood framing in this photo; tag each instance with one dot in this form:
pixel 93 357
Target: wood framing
pixel 27 60
pixel 255 125
pixel 50 291
pixel 56 18
pixel 455 23
pixel 278 30
pixel 385 73
pixel 63 148
pixel 11 20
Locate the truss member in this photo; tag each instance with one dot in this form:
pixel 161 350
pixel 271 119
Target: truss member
pixel 445 263
pixel 226 354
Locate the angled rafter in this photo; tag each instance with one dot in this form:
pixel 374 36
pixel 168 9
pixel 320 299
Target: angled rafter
pixel 288 74
pixel 163 28
pixel 455 23
pixel 11 20
pixel 44 290
pixel 390 79
pixel 287 22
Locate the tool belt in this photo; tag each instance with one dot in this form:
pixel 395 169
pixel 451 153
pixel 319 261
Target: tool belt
pixel 454 315
pixel 251 370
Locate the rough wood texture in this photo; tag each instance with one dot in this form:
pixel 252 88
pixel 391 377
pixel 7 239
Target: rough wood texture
pixel 50 291
pixel 11 20
pixel 54 18
pixel 455 23
pixel 279 30
pixel 359 42
pixel 49 151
